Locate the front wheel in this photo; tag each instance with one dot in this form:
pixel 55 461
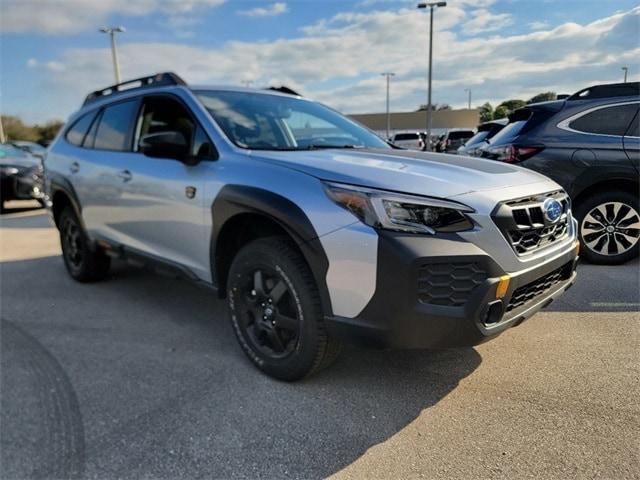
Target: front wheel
pixel 609 227
pixel 84 264
pixel 275 310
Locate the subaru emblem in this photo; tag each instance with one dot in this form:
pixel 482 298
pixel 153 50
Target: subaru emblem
pixel 552 209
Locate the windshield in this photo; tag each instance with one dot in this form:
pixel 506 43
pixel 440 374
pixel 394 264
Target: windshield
pixel 508 133
pixel 274 122
pixel 477 138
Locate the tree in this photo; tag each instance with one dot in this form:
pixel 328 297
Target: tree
pixel 486 112
pixel 542 97
pixel 506 107
pixel 16 129
pixel 49 130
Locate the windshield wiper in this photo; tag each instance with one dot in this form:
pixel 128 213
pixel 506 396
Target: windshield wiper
pixel 318 146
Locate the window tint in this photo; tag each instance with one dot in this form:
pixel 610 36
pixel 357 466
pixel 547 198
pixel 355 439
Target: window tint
pixel 606 121
pixel 459 135
pixel 113 130
pixel 477 138
pixel 634 128
pixel 164 114
pixel 508 133
pixel 75 135
pixel 405 136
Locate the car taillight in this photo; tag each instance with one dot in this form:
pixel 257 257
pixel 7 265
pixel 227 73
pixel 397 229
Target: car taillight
pixel 513 153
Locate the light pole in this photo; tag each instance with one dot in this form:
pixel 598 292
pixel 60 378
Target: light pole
pixel 388 75
pixel 626 70
pixel 431 6
pixel 468 90
pixel 114 52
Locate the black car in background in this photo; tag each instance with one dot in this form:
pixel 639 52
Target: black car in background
pixel 449 141
pixel 590 144
pixel 486 131
pixel 20 175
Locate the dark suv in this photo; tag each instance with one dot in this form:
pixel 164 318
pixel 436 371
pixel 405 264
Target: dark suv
pixel 590 144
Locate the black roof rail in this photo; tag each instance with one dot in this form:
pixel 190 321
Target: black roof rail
pixel 283 89
pixel 157 80
pixel 609 90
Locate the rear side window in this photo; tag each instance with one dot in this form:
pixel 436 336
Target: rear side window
pixel 75 135
pixel 459 135
pixel 606 121
pixel 406 136
pixel 634 128
pixel 114 130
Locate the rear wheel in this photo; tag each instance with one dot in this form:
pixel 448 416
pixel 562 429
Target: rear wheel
pixel 609 225
pixel 84 264
pixel 275 310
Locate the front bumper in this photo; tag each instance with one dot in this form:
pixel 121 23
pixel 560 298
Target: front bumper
pixel 460 307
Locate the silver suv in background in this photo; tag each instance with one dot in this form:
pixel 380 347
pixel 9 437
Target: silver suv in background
pixel 409 140
pixel 313 228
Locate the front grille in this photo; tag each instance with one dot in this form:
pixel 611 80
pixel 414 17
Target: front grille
pixel 531 290
pixel 524 225
pixel 449 284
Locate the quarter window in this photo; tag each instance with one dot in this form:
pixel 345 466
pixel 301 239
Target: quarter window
pixel 114 130
pixel 75 135
pixel 606 121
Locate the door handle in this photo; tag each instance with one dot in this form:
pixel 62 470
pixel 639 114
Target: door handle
pixel 74 167
pixel 125 175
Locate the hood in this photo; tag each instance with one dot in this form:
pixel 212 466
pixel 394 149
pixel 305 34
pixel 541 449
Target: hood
pixel 420 173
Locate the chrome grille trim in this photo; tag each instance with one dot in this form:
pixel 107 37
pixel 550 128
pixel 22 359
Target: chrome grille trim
pixel 523 223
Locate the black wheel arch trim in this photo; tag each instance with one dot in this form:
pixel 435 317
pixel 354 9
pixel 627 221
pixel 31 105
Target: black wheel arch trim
pixel 234 200
pixel 60 184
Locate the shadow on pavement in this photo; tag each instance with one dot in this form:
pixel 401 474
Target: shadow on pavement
pixel 165 391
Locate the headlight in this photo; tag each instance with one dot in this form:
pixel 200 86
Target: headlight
pixel 9 170
pixel 406 213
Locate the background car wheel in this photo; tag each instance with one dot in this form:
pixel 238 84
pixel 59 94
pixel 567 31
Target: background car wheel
pixel 275 310
pixel 83 263
pixel 609 227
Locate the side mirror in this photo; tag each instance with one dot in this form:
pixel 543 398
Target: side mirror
pixel 171 144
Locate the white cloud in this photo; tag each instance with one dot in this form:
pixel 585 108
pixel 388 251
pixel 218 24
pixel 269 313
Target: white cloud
pixel 538 25
pixel 339 60
pixel 72 16
pixel 269 11
pixel 485 21
pixel 32 63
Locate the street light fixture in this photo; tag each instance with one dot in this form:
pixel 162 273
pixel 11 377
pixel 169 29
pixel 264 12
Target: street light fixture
pixel 468 90
pixel 626 70
pixel 114 52
pixel 388 75
pixel 431 6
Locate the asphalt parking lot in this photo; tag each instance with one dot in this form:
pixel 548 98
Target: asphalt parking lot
pixel 140 377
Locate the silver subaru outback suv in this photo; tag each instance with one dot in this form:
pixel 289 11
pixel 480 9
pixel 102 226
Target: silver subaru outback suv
pixel 314 229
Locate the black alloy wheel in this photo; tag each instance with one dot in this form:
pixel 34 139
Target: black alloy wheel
pixel 275 310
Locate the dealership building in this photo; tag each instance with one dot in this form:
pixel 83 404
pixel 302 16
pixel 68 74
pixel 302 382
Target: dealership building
pixel 441 120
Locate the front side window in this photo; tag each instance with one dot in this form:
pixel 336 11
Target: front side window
pixel 273 122
pixel 606 121
pixel 113 132
pixel 75 135
pixel 165 114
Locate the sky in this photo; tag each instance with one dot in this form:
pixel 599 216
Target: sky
pixel 52 53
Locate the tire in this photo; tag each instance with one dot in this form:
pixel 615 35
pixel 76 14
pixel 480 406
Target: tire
pixel 275 310
pixel 84 263
pixel 609 227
